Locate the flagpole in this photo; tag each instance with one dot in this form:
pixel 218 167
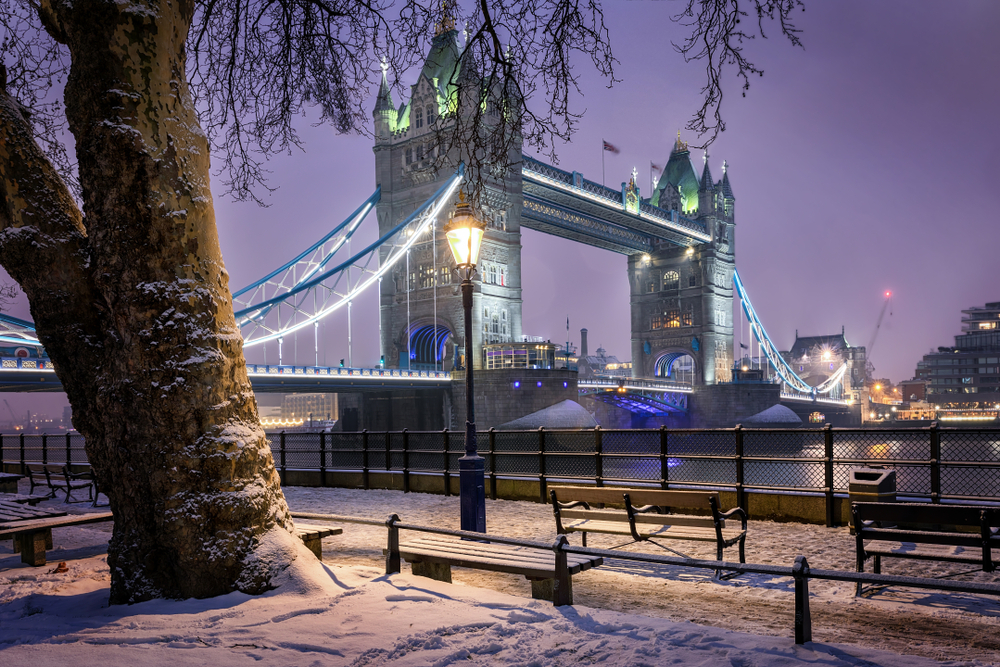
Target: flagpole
pixel 602 162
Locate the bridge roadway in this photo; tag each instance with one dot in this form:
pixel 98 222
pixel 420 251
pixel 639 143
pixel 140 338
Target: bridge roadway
pixel 30 375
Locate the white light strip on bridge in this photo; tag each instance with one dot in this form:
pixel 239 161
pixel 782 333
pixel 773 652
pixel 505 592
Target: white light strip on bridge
pixel 535 176
pixel 589 384
pixel 7 338
pixel 260 370
pixel 360 287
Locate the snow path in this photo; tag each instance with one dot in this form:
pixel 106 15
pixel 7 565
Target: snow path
pixel 365 618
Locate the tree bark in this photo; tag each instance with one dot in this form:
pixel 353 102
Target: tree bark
pixel 131 301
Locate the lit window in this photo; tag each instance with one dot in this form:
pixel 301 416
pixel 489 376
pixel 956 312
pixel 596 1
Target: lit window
pixel 673 319
pixel 657 322
pixel 687 318
pixel 671 280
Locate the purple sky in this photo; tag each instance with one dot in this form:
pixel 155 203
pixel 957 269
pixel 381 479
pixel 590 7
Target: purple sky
pixel 866 162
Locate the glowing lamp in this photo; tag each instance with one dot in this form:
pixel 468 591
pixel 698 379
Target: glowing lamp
pixel 465 234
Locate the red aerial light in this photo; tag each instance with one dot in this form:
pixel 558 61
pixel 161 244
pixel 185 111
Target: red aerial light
pixel 888 294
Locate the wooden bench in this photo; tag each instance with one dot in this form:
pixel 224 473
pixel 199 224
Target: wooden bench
pixel 647 516
pixel 33 537
pixel 950 533
pixel 433 556
pixel 312 536
pixel 59 478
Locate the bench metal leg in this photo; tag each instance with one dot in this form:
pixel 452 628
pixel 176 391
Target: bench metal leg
pixel 436 571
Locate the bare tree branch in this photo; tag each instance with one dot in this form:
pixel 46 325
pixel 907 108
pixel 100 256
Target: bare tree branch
pixel 718 37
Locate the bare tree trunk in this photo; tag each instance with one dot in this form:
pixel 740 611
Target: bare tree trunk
pixel 132 303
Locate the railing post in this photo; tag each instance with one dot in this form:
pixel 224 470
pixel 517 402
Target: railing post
pixel 365 481
pixel 664 461
pixel 741 492
pixel 447 463
pixel 406 461
pixel 281 450
pixel 322 458
pixel 24 466
pixel 45 449
pixel 803 620
pixel 392 548
pixel 69 451
pixel 831 520
pixel 542 491
pixel 599 451
pixel 935 463
pixel 388 451
pixel 493 463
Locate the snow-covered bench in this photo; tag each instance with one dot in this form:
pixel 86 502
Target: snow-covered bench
pixel 60 479
pixel 33 537
pixel 312 536
pixel 549 569
pixel 647 516
pixel 949 533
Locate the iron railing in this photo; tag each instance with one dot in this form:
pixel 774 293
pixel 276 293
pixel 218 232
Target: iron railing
pixel 931 463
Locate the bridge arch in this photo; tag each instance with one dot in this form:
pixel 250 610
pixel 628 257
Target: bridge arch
pixel 676 364
pixel 428 344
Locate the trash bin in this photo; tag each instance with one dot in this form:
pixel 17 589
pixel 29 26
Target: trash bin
pixel 873 484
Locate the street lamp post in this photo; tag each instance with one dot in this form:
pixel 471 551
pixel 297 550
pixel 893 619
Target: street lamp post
pixel 465 235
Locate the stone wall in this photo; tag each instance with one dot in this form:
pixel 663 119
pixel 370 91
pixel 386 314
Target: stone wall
pixel 499 401
pixel 724 405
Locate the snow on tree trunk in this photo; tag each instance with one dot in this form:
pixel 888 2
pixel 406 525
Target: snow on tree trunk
pixel 132 303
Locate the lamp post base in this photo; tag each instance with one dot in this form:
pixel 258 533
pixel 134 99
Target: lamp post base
pixel 472 492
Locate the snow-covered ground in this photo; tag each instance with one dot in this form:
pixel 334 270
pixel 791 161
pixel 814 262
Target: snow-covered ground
pixel 625 613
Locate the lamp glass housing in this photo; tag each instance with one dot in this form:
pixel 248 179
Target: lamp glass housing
pixel 465 234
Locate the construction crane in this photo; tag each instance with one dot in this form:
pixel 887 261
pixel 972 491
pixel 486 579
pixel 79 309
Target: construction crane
pixel 13 419
pixel 886 305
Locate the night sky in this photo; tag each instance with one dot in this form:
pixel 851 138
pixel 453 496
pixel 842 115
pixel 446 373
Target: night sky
pixel 865 162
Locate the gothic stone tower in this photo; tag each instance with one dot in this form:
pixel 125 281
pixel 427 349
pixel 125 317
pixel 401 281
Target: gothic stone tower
pixel 410 168
pixel 682 298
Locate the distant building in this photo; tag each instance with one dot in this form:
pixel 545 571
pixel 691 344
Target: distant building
pixel 967 375
pixel 319 407
pixel 601 364
pixel 816 358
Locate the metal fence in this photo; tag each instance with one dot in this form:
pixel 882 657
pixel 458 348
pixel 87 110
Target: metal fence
pixel 933 463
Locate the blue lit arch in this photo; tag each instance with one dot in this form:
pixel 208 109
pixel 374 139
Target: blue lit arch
pixel 428 344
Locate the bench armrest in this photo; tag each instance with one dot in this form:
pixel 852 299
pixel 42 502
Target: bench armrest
pixel 556 506
pixel 77 475
pixel 736 511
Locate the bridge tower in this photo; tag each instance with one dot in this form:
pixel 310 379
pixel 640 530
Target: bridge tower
pixel 420 312
pixel 682 297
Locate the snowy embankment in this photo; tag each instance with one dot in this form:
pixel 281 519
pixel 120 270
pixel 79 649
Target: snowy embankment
pixel 357 616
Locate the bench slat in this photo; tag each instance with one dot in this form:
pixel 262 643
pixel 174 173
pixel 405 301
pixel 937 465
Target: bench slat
pixel 520 554
pixel 926 513
pixel 55 522
pixel 942 552
pixel 925 537
pixel 622 517
pixel 531 563
pixel 639 497
pixel 317 532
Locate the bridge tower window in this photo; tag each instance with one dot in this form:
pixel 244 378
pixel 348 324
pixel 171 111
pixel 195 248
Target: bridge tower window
pixel 430 116
pixel 656 322
pixel 693 279
pixel 673 319
pixel 409 156
pixel 671 280
pixel 418 119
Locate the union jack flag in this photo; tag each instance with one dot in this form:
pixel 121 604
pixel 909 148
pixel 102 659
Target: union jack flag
pixel 610 147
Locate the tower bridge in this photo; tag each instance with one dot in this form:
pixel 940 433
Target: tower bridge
pixel 680 261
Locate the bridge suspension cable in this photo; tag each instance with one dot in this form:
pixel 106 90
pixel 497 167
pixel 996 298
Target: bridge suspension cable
pixel 304 290
pixel 774 358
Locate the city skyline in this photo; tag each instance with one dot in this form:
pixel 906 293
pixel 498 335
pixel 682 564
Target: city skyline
pixel 861 164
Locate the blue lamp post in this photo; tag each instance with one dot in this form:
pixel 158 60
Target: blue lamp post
pixel 465 236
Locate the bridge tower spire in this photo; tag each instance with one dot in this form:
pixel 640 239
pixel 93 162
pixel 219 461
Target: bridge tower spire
pixel 421 313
